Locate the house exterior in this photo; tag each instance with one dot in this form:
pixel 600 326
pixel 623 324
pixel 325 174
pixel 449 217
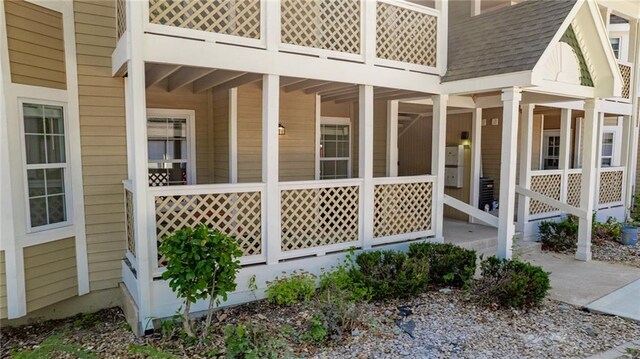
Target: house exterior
pixel 301 128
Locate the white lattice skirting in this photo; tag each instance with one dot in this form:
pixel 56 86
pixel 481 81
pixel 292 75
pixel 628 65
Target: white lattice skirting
pixel 402 208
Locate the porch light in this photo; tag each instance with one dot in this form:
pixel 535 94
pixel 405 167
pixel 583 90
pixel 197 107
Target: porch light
pixel 464 139
pixel 281 130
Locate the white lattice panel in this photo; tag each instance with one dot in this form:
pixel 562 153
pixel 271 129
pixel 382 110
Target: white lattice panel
pixel 610 186
pixel 406 35
pixel 573 189
pixel 625 70
pixel 236 214
pixel 322 24
pixel 131 239
pixel 547 185
pixel 158 179
pixel 319 216
pixel 402 208
pixel 121 18
pixel 230 17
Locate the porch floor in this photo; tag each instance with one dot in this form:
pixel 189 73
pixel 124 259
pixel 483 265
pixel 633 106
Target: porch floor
pixel 483 239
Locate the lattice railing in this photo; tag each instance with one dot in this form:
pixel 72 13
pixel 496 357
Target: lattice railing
pixel 121 18
pixel 237 214
pixel 316 217
pixel 402 208
pixel 625 71
pixel 406 35
pixel 230 17
pixel 573 189
pixel 128 210
pixel 322 24
pixel 549 185
pixel 611 182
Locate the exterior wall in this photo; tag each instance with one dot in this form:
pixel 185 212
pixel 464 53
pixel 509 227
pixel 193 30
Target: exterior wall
pixel 36 45
pixel 249 134
pixel 50 273
pixel 3 286
pixel 456 124
pixel 103 141
pixel 491 145
pixel 414 148
pixel 379 139
pixel 220 156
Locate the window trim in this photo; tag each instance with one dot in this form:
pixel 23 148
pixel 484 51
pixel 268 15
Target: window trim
pixel 68 188
pixel 190 116
pixel 342 121
pixel 545 143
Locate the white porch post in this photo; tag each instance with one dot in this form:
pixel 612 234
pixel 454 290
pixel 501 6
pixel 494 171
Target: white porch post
pixel 565 149
pixel 589 177
pixel 136 122
pixel 506 229
pixel 634 57
pixel 270 163
pixel 439 137
pixel 476 159
pixel 524 179
pixel 625 160
pixel 365 162
pixel 392 138
pixel 598 163
pixel 233 135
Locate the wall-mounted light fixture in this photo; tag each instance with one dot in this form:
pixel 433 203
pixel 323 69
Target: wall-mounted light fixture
pixel 464 138
pixel 281 130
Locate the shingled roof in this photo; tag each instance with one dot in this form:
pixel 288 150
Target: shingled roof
pixel 505 40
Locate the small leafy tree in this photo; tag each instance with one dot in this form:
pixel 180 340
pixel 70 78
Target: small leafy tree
pixel 201 264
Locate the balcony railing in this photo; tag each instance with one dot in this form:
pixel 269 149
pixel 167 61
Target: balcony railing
pixel 625 71
pixel 406 35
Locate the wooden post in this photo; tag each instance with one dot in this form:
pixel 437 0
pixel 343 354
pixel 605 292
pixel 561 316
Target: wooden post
pixel 524 177
pixel 511 104
pixel 233 135
pixel 565 150
pixel 439 137
pixel 589 177
pixel 365 163
pixel 634 57
pixel 392 138
pixel 443 34
pixel 476 160
pixel 270 164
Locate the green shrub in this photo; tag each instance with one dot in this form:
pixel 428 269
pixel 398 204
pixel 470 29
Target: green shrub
pixel 341 282
pixel 511 283
pixel 334 317
pixel 559 236
pixel 391 274
pixel 291 290
pixel 317 332
pixel 247 341
pixel 611 230
pixel 449 265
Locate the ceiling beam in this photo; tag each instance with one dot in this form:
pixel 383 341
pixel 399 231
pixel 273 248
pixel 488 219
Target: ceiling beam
pixel 327 87
pixel 339 95
pixel 159 72
pixel 303 85
pixel 284 81
pixel 187 75
pixel 386 95
pixel 215 79
pixel 239 81
pixel 339 92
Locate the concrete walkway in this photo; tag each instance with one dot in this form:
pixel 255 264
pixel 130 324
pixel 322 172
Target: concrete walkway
pixel 605 286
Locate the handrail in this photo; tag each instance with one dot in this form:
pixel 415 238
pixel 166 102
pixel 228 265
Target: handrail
pixel 471 210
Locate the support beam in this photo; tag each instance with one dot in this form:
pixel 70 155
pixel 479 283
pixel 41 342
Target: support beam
pixel 524 178
pixel 270 164
pixel 589 178
pixel 214 79
pixel 303 85
pixel 438 143
pixel 392 138
pixel 476 160
pixel 233 135
pixel 634 56
pixel 328 87
pixel 238 81
pixel 365 163
pixel 159 72
pixel 506 230
pixel 185 76
pixel 565 150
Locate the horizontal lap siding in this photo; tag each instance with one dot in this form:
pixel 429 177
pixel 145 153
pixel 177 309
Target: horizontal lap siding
pixel 249 133
pixel 50 273
pixel 221 136
pixel 36 45
pixel 3 287
pixel 103 140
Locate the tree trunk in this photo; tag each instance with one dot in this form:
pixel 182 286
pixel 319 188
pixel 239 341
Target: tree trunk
pixel 210 311
pixel 186 321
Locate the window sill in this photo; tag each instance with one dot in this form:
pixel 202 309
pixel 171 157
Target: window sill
pixel 49 235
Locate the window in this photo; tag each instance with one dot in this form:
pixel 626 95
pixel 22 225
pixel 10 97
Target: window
pixel 606 155
pixel 46 165
pixel 551 151
pixel 168 148
pixel 615 44
pixel 335 148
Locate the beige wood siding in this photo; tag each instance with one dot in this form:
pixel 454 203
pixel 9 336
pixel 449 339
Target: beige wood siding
pixel 456 124
pixel 50 273
pixel 3 287
pixel 103 141
pixel 36 45
pixel 379 139
pixel 185 99
pixel 414 148
pixel 221 136
pixel 249 133
pixel 491 146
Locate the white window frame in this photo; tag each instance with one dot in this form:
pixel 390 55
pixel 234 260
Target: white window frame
pixel 619 54
pixel 617 141
pixel 342 121
pixel 190 116
pixel 544 147
pixel 68 200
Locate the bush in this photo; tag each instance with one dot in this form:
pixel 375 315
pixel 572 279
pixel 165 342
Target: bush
pixel 341 282
pixel 334 317
pixel 511 283
pixel 317 332
pixel 611 230
pixel 291 290
pixel 559 236
pixel 391 274
pixel 449 265
pixel 246 341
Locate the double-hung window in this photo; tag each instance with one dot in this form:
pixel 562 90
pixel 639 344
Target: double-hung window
pixel 606 154
pixel 551 150
pixel 615 45
pixel 335 148
pixel 169 149
pixel 47 165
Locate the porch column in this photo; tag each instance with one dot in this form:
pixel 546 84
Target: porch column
pixel 439 138
pixel 137 163
pixel 634 57
pixel 392 138
pixel 598 163
pixel 233 135
pixel 506 229
pixel 476 160
pixel 626 159
pixel 524 179
pixel 589 177
pixel 270 163
pixel 365 162
pixel 565 149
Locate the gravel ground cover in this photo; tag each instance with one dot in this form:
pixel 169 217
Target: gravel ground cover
pixel 442 324
pixel 614 252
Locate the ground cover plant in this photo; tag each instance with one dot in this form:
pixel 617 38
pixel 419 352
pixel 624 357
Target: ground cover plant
pixel 289 290
pixel 449 265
